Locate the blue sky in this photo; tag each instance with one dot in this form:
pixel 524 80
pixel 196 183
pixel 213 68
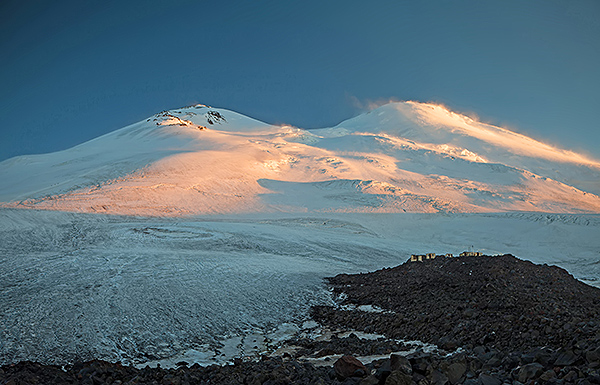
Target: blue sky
pixel 74 70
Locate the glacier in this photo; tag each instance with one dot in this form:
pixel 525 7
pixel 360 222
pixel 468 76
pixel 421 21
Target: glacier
pixel 138 290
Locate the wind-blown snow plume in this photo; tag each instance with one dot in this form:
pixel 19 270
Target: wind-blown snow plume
pixel 439 116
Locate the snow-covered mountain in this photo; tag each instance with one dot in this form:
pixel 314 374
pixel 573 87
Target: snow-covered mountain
pixel 401 157
pixel 206 289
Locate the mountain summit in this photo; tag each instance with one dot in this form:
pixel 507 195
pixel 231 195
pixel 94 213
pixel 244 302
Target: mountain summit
pixel 401 157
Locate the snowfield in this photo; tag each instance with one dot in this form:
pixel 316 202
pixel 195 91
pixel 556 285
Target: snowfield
pixel 202 234
pixel 146 289
pixel 401 157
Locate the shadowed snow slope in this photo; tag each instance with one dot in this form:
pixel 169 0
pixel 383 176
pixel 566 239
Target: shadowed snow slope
pixel 401 157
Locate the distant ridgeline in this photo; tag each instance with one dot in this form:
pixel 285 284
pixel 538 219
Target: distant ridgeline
pixel 430 256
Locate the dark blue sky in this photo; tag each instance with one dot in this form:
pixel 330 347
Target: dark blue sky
pixel 74 70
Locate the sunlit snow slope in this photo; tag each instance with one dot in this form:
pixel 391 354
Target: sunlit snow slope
pixel 401 157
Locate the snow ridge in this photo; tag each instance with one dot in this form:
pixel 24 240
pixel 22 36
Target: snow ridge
pixel 400 157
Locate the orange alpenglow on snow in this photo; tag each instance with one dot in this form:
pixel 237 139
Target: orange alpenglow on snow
pixel 440 116
pixel 400 157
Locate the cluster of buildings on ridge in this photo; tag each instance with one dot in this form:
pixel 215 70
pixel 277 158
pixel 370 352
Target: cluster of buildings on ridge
pixel 428 256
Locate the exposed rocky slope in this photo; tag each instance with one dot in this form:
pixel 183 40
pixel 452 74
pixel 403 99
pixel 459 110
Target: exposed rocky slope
pixel 469 301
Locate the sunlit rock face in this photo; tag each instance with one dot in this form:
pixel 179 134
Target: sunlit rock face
pixel 401 157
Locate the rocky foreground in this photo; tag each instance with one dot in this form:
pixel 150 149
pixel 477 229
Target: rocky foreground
pixel 496 320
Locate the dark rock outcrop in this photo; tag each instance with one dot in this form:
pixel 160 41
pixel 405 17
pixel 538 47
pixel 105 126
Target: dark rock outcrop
pixel 502 302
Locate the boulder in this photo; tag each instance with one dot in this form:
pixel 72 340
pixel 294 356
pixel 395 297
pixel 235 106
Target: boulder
pixel 438 378
pixel 566 358
pixel 455 371
pixel 530 371
pixel 349 366
pixel 398 362
pixel 369 380
pixel 479 350
pixel 486 379
pixel 593 355
pixel 398 377
pixel 548 375
pixel 448 343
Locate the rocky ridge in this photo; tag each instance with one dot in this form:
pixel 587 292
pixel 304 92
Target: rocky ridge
pixel 506 320
pixel 500 301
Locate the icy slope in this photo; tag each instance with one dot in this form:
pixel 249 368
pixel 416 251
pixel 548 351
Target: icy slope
pixel 80 286
pixel 401 157
pixel 437 129
pixel 111 156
